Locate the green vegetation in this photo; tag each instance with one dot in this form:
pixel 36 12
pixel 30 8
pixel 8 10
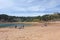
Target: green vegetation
pixel 47 17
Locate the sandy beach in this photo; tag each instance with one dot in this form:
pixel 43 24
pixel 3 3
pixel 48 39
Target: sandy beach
pixel 50 32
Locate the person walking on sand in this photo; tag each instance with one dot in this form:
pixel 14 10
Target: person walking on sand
pixel 15 26
pixel 45 24
pixel 23 26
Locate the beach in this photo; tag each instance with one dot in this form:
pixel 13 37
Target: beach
pixel 37 32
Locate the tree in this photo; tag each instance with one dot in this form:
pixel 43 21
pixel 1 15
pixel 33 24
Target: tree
pixel 3 16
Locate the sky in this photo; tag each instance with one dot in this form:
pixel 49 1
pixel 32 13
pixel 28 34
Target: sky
pixel 29 7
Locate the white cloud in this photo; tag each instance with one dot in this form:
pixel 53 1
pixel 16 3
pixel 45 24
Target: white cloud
pixel 29 6
pixel 5 4
pixel 34 8
pixel 19 9
pixel 36 5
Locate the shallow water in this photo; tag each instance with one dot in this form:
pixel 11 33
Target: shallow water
pixel 13 25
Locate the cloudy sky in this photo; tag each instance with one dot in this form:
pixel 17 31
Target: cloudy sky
pixel 29 7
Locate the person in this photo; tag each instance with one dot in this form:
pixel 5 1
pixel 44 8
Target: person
pixel 15 26
pixel 45 24
pixel 23 26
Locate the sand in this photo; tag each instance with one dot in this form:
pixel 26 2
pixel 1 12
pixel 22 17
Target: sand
pixel 50 32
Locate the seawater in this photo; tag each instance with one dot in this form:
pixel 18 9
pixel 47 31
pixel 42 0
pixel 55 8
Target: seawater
pixel 13 25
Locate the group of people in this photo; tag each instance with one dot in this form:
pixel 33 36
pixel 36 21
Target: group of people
pixel 22 27
pixel 44 25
